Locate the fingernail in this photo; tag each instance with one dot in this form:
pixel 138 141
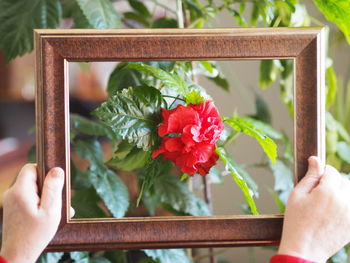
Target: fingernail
pixel 57 172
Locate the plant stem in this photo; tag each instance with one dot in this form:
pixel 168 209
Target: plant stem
pixel 180 15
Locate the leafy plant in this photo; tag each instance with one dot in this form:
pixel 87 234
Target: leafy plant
pixel 127 121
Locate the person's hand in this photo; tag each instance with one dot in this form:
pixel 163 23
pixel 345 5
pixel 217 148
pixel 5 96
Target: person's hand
pixel 317 218
pixel 30 222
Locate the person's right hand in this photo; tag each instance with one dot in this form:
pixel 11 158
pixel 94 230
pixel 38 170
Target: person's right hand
pixel 317 218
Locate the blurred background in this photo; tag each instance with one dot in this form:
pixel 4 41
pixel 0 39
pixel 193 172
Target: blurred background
pixel 88 88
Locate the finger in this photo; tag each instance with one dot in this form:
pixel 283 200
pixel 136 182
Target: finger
pixel 71 212
pixel 27 177
pixel 312 177
pixel 51 198
pixel 331 177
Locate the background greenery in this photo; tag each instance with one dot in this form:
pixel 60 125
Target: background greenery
pixel 92 186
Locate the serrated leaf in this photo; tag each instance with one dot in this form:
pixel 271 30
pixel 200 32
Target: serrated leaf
pixel 79 124
pixel 265 128
pixel 343 151
pixel 100 13
pixel 238 179
pixel 107 184
pixel 194 98
pixel 338 12
pixel 18 18
pixel 50 257
pixel 85 205
pixel 71 9
pixel 245 126
pixel 133 114
pixel 168 255
pixel 168 79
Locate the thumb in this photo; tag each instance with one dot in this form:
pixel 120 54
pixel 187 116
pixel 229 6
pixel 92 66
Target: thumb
pixel 51 198
pixel 312 177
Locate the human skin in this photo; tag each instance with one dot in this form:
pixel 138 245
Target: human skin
pixel 317 217
pixel 30 222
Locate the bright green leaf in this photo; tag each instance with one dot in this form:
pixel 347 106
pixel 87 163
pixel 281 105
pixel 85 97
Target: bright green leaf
pixel 338 12
pixel 133 114
pixel 264 128
pixel 194 98
pixel 100 13
pixel 168 255
pixel 244 125
pixel 331 86
pixel 18 18
pixel 237 177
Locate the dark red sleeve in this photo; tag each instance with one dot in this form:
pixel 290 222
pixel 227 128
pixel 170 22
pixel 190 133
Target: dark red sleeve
pixel 288 259
pixel 2 260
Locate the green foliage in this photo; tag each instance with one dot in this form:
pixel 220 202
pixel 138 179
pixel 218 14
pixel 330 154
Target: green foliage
pixel 100 13
pixel 85 204
pixel 247 126
pixel 338 12
pixel 168 79
pixel 194 98
pixel 107 184
pixel 238 178
pixel 133 114
pixel 18 18
pixel 128 158
pixel 168 255
pixel 50 257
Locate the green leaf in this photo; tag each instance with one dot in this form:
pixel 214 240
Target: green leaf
pixel 168 255
pixel 133 114
pixel 343 151
pixel 237 177
pixel 100 260
pixel 331 86
pixel 85 205
pixel 283 180
pixel 194 98
pixel 169 190
pixel 71 9
pixel 333 124
pixel 137 18
pixel 50 257
pixel 107 184
pixel 338 12
pixel 80 257
pixel 244 125
pixel 136 158
pixel 264 128
pixel 268 73
pixel 140 7
pixel 165 22
pixel 262 112
pixel 122 78
pixel 18 18
pixel 79 124
pixel 168 79
pixel 32 154
pixel 100 13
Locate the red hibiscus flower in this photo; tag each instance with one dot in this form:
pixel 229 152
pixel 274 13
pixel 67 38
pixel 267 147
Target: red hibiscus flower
pixel 189 136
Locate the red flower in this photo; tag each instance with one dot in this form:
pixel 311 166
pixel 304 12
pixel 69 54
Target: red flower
pixel 189 136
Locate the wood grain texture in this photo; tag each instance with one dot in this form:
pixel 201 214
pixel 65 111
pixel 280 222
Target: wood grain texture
pixel 55 47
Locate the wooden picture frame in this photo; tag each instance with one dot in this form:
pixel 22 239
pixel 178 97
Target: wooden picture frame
pixel 55 48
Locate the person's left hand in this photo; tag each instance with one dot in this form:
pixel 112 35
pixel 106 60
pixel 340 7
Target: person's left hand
pixel 30 222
